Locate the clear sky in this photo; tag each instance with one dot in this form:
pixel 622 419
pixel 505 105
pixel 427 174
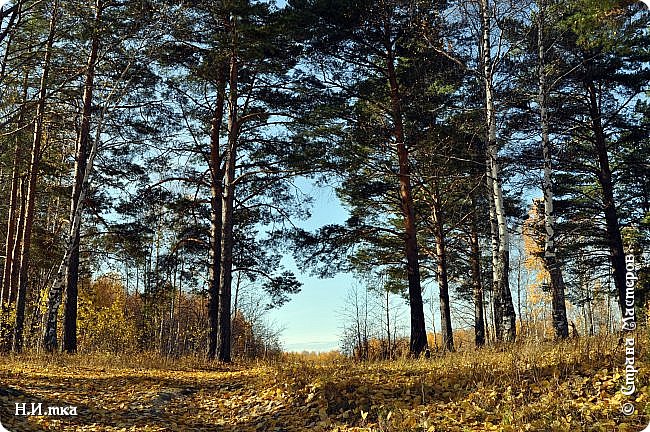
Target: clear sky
pixel 311 320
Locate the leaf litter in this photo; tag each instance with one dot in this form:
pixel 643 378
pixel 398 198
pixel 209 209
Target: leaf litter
pixel 533 387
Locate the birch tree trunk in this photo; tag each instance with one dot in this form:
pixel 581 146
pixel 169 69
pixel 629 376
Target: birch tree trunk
pixel 30 199
pixel 504 312
pixel 475 261
pixel 389 350
pixel 552 264
pixel 81 161
pixel 55 294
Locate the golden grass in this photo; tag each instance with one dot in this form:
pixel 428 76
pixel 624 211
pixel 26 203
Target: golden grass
pixel 573 385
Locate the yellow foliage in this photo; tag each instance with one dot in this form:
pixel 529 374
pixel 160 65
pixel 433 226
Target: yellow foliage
pixel 533 235
pixel 103 324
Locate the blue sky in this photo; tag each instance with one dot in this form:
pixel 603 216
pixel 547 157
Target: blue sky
pixel 313 320
pixel 310 319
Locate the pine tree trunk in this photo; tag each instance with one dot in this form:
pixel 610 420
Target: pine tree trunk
pixel 475 262
pixel 443 281
pixel 81 161
pixel 55 295
pixel 71 294
pixel 7 294
pixel 7 289
pixel 418 331
pixel 216 191
pixel 504 311
pixel 12 216
pixel 17 244
pixel 552 264
pixel 227 241
pixel 34 166
pixel 614 240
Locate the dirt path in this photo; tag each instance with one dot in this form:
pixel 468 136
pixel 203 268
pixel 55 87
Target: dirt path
pixel 532 389
pixel 132 399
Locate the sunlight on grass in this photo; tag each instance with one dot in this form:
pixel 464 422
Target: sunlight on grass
pixel 574 385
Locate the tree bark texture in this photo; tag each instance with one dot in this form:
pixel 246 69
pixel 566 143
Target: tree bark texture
pixel 227 241
pixel 477 283
pixel 216 204
pixel 443 280
pixel 551 262
pixel 30 200
pixel 418 340
pixel 613 232
pixel 81 161
pixel 504 312
pixel 12 222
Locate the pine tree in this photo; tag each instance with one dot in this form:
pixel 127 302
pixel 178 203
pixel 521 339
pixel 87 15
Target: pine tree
pixel 245 64
pixel 602 75
pixel 34 166
pixel 365 45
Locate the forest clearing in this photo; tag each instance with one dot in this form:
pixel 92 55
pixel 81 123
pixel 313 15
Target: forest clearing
pixel 172 173
pixel 571 386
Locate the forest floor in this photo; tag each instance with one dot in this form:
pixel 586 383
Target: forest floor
pixel 570 386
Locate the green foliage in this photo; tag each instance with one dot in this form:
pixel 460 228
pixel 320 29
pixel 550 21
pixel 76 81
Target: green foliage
pixel 596 23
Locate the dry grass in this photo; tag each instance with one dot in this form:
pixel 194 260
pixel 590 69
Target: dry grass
pixel 574 385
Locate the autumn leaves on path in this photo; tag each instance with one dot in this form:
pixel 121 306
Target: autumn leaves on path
pixel 123 399
pixel 536 388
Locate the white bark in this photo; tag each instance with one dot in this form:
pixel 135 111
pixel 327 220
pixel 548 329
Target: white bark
pixel 504 309
pixel 56 292
pixel 560 324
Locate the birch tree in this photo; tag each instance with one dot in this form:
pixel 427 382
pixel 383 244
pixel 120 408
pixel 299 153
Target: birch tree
pixel 111 51
pixel 55 294
pixel 504 312
pixel 551 262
